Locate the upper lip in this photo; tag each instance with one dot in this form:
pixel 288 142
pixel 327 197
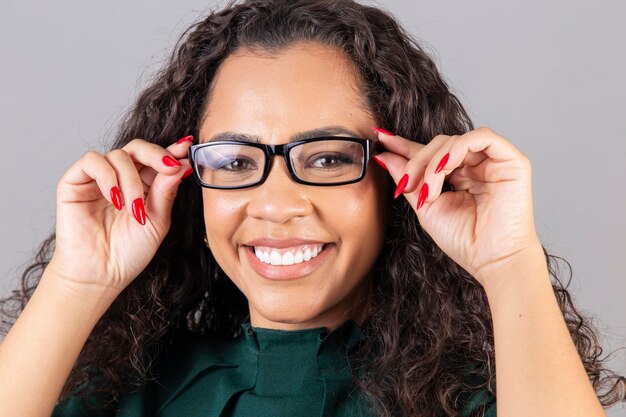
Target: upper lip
pixel 281 243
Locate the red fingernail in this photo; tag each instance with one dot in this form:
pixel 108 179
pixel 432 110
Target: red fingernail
pixel 401 185
pixel 116 198
pixel 442 163
pixel 171 162
pixel 186 174
pixel 181 140
pixel 423 196
pixel 380 162
pixel 139 211
pixel 386 132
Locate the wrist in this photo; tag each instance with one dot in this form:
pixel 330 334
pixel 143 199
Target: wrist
pixel 526 268
pixel 90 299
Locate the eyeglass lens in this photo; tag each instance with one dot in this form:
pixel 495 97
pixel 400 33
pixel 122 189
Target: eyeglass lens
pixel 320 162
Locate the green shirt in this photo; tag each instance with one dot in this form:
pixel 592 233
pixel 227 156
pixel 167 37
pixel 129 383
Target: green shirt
pixel 263 372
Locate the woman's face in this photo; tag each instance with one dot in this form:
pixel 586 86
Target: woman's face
pixel 308 86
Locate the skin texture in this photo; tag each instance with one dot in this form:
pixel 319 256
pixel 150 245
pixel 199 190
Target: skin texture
pixel 306 86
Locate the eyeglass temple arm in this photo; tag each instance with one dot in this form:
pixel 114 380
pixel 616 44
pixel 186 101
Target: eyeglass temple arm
pixel 375 147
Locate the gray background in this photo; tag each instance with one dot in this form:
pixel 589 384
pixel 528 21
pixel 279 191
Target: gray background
pixel 548 76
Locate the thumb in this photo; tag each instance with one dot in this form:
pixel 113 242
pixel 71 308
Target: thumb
pixel 162 194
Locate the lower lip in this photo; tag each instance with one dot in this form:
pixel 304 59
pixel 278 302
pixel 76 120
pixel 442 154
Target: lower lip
pixel 287 272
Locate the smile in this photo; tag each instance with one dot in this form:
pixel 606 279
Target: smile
pixel 295 255
pixel 284 264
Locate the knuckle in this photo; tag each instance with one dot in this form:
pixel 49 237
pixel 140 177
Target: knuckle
pixel 116 153
pixel 439 138
pixel 91 154
pixel 134 142
pixel 415 164
pixel 463 141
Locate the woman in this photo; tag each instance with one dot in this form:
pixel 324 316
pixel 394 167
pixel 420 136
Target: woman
pixel 166 296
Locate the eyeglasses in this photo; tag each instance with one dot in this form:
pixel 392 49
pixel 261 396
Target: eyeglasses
pixel 321 161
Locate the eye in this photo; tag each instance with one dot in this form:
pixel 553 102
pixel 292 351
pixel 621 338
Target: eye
pixel 237 164
pixel 339 159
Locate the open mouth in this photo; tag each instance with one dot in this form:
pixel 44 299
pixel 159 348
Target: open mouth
pixel 276 257
pixel 293 268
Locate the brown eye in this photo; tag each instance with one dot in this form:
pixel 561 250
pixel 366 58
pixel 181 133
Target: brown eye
pixel 327 161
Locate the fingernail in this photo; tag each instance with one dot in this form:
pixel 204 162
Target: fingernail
pixel 116 198
pixel 171 162
pixel 380 162
pixel 386 132
pixel 139 211
pixel 442 163
pixel 423 196
pixel 186 174
pixel 181 140
pixel 401 185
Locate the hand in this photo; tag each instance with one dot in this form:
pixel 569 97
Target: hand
pixel 100 249
pixel 488 219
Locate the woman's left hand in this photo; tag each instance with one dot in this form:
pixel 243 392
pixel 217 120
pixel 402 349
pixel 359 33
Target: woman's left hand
pixel 487 221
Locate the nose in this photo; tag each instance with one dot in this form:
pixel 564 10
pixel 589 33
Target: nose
pixel 279 198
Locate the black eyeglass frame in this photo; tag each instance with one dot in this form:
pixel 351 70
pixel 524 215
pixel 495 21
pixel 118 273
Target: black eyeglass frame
pixel 371 147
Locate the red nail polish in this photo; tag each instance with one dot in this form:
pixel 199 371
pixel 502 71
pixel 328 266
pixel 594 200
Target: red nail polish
pixel 181 140
pixel 423 196
pixel 171 162
pixel 139 211
pixel 116 198
pixel 381 130
pixel 186 174
pixel 380 162
pixel 401 185
pixel 442 163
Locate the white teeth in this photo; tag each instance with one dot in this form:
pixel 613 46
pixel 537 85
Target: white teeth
pixel 273 257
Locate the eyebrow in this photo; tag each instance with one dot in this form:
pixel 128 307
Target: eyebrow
pixel 307 134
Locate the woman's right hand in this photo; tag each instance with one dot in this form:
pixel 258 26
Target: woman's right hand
pixel 100 249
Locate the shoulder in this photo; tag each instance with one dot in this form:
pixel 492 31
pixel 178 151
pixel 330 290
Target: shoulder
pixel 184 355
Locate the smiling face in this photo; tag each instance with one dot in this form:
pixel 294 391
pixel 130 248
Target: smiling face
pixel 307 86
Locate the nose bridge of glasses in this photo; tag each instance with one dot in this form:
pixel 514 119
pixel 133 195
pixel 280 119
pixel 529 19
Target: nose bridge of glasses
pixel 281 151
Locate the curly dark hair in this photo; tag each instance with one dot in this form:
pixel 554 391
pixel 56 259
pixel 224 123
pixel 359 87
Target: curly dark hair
pixel 429 317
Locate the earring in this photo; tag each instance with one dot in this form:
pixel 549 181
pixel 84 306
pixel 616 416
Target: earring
pixel 206 242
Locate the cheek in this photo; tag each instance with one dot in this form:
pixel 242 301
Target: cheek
pixel 217 208
pixel 358 219
pixel 221 217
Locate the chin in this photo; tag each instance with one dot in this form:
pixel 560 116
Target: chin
pixel 288 314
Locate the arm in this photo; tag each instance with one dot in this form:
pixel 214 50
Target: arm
pixel 538 369
pixel 38 353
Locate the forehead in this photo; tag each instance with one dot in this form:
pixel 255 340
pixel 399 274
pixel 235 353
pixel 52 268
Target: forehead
pixel 303 87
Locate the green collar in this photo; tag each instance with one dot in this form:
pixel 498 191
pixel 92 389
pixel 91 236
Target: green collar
pixel 271 362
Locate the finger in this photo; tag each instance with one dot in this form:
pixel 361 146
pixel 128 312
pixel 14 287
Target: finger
pixel 395 164
pixel 130 184
pixel 162 194
pixel 74 185
pixel 461 182
pixel 399 145
pixel 178 150
pixel 415 166
pixel 149 157
pixel 476 154
pixel 434 162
